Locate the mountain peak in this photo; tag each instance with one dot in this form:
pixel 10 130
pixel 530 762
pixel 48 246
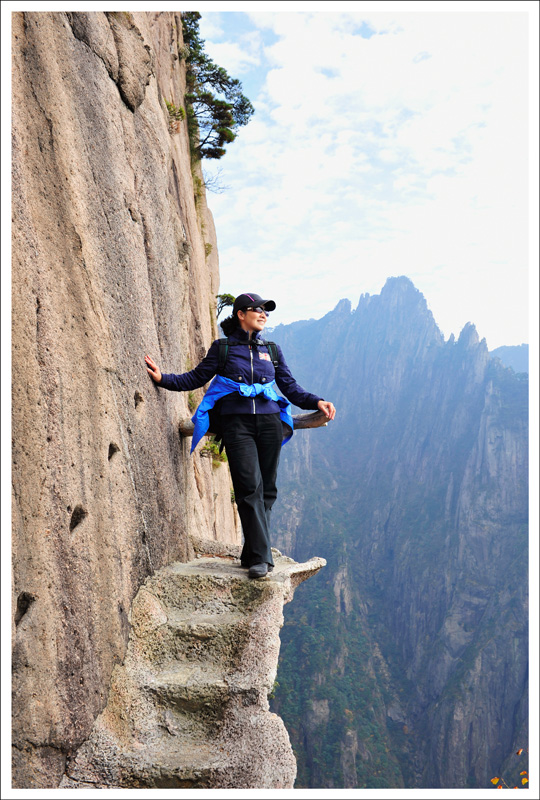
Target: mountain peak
pixel 469 335
pixel 342 307
pixel 398 283
pixel 400 288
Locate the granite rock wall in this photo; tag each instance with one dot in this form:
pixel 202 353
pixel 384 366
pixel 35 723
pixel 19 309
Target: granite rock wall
pixel 114 256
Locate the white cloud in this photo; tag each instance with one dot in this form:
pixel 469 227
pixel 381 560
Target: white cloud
pixel 235 57
pixel 211 26
pixel 406 156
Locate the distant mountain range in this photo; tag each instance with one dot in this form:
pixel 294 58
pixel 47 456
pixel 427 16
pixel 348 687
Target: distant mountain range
pixel 516 356
pixel 405 664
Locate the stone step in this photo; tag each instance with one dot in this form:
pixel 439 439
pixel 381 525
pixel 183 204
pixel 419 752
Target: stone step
pixel 185 764
pixel 203 625
pixel 178 761
pixel 187 688
pixel 188 758
pixel 206 586
pixel 189 636
pixel 187 679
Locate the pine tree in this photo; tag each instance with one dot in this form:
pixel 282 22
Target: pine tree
pixel 212 120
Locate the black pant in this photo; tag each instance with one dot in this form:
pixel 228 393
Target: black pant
pixel 253 446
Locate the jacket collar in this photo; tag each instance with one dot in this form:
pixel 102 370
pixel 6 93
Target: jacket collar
pixel 243 336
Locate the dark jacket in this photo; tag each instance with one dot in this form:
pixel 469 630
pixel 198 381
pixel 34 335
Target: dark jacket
pixel 247 363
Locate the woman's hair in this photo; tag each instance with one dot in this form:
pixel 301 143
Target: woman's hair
pixel 230 324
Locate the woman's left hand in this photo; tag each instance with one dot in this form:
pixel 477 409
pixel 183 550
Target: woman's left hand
pixel 327 408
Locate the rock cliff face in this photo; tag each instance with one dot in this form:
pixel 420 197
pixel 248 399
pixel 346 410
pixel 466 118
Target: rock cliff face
pixel 114 256
pixel 417 498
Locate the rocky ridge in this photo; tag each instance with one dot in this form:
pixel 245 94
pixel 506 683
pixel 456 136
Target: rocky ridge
pixel 421 512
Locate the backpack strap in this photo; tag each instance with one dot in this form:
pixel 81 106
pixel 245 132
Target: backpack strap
pixel 224 346
pixel 223 353
pixel 272 349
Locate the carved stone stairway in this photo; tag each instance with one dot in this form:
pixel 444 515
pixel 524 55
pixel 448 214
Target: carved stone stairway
pixel 188 708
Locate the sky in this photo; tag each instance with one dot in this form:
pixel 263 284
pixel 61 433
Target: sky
pixel 383 143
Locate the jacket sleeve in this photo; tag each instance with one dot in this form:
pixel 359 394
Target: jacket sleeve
pixel 196 377
pixel 292 390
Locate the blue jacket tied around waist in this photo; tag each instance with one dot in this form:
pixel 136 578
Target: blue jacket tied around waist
pixel 220 387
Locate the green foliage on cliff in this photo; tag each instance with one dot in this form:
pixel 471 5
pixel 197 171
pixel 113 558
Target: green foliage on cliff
pixel 336 716
pixel 211 450
pixel 176 115
pixel 215 104
pixel 224 301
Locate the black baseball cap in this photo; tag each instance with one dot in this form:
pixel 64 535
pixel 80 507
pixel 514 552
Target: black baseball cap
pixel 250 299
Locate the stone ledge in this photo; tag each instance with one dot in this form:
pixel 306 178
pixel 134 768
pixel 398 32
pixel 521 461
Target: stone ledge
pixel 188 708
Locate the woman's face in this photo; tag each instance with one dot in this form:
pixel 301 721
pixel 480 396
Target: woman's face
pixel 252 321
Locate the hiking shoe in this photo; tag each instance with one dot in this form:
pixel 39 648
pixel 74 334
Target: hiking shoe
pixel 258 571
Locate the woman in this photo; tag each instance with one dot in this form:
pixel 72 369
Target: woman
pixel 251 414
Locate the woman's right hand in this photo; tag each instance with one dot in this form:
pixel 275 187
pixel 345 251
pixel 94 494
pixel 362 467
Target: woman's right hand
pixel 153 369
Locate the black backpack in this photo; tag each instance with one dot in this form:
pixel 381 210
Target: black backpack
pixel 214 415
